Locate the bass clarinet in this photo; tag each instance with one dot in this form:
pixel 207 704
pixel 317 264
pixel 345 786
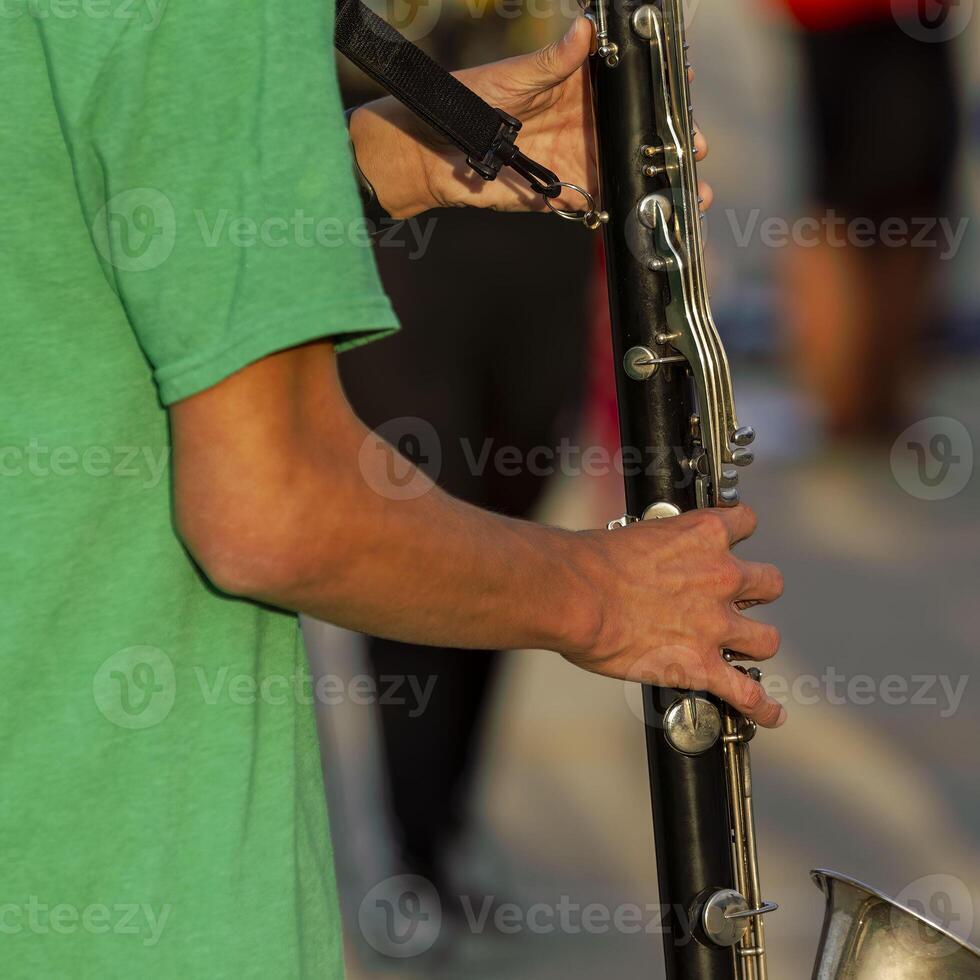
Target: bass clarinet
pixel 677 415
pixel 677 419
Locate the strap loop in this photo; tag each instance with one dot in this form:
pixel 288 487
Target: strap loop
pixel 590 216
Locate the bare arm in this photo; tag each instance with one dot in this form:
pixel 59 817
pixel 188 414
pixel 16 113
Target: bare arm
pixel 278 496
pixel 277 501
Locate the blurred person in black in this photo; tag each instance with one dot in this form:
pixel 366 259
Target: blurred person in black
pixel 483 371
pixel 879 79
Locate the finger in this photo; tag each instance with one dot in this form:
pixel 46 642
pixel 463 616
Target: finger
pixel 559 60
pixel 738 522
pixel 700 143
pixel 706 194
pixel 748 697
pixel 761 583
pixel 752 639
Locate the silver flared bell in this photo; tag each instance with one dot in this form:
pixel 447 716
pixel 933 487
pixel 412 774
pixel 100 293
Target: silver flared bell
pixel 866 936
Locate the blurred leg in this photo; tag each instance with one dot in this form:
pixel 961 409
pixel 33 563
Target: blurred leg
pixel 481 369
pixel 430 742
pixel 883 115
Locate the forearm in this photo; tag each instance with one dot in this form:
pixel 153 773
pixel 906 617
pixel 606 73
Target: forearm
pixel 437 571
pixel 319 531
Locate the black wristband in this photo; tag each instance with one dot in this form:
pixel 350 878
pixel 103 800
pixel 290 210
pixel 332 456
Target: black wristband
pixel 375 213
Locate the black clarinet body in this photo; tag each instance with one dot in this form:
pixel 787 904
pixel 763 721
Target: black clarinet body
pixel 654 259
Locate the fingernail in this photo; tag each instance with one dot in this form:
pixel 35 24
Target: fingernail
pixel 781 720
pixel 570 33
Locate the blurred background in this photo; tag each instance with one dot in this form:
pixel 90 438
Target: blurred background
pixel 490 812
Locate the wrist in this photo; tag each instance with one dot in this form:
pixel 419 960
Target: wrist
pixel 389 159
pixel 575 599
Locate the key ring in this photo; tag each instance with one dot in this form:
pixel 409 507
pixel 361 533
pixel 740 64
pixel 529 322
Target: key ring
pixel 591 217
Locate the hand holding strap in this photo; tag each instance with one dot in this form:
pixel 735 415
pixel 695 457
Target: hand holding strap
pixel 486 135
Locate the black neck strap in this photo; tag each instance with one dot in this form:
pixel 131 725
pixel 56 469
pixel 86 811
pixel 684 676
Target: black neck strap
pixel 486 135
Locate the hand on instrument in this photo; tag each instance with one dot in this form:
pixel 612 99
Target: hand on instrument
pixel 670 593
pixel 412 168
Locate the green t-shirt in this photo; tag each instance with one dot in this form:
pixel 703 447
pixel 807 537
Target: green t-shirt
pixel 177 202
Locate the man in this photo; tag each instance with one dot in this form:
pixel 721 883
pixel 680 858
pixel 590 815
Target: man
pixel 862 292
pixel 182 263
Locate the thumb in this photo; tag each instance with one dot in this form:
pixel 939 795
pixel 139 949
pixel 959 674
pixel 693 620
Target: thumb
pixel 560 60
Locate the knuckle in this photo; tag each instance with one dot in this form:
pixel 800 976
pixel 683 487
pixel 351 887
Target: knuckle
pixel 713 526
pixel 730 577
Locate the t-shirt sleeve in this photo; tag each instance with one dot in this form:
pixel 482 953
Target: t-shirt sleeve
pixel 216 175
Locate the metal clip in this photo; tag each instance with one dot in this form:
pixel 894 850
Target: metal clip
pixel 590 216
